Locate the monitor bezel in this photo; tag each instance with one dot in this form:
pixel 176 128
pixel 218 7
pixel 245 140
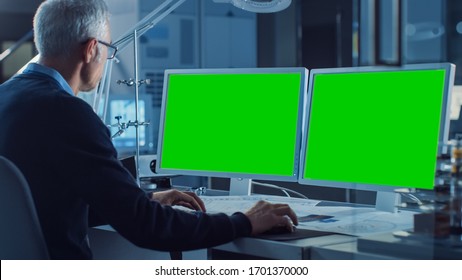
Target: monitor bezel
pixel 268 70
pixel 444 122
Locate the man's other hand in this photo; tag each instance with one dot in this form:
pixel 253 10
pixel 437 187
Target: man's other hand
pixel 174 197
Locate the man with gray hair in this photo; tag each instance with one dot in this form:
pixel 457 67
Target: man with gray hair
pixel 66 154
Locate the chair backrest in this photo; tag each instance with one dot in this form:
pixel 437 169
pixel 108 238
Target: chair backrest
pixel 20 233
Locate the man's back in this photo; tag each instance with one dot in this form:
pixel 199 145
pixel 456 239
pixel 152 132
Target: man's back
pixel 32 108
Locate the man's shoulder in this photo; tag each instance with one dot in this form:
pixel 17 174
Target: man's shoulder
pixel 41 95
pixel 30 87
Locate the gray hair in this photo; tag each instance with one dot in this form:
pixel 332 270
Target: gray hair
pixel 60 26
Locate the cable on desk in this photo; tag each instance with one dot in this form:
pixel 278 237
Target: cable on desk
pixel 284 190
pixel 413 198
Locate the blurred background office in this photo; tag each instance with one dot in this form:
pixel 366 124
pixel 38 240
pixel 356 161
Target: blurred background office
pixel 201 33
pixel 204 34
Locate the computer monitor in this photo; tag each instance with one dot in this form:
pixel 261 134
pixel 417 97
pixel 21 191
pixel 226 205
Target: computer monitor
pixel 123 105
pixel 376 128
pixel 235 123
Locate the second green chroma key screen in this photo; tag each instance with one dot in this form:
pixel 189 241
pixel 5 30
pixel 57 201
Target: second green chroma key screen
pixel 375 128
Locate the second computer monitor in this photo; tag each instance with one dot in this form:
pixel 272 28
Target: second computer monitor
pixel 236 123
pixel 376 128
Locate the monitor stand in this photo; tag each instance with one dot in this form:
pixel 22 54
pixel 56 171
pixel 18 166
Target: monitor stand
pixel 387 201
pixel 240 186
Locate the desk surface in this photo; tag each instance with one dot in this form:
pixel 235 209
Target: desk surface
pixel 408 248
pixel 292 249
pixel 299 249
pixel 386 246
pixel 351 219
pixel 344 251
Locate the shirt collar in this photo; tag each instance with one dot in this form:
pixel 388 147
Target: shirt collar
pixel 52 73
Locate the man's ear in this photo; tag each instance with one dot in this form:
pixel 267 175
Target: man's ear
pixel 89 50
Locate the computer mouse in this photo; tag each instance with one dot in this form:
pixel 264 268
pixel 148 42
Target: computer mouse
pixel 280 230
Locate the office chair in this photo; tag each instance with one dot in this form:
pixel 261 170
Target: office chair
pixel 20 232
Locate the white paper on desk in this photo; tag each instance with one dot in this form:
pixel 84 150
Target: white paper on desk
pixel 357 221
pixel 232 204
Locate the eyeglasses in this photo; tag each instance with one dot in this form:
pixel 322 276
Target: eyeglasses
pixel 111 49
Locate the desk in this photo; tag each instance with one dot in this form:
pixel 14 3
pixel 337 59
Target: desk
pixel 107 244
pixel 344 251
pixel 386 246
pixel 364 219
pixel 243 248
pixel 254 248
pixel 408 248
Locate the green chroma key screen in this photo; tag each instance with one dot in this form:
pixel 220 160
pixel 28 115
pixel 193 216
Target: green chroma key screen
pixel 379 128
pixel 232 123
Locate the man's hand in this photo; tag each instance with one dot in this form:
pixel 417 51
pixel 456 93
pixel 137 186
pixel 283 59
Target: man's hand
pixel 174 197
pixel 264 216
